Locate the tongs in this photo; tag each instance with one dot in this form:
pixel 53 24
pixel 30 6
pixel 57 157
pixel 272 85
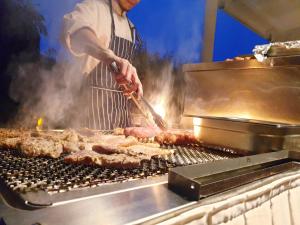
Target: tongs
pixel 157 118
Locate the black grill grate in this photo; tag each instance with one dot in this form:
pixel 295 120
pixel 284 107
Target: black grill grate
pixel 22 174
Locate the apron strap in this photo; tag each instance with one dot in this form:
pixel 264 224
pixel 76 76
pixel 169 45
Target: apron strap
pixel 113 27
pixel 134 35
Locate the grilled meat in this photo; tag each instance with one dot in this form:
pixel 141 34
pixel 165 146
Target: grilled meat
pixel 116 161
pixel 149 151
pixel 176 137
pixel 10 143
pixel 13 133
pixel 119 131
pixel 40 147
pixel 141 132
pixel 134 150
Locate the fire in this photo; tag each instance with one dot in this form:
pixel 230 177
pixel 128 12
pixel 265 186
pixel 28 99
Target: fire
pixel 197 122
pixel 160 110
pixel 39 124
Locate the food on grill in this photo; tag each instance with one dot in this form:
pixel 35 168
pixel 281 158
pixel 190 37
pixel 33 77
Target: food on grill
pixel 119 131
pixel 120 141
pixel 141 132
pixel 96 140
pixel 10 143
pixel 40 147
pixel 69 147
pixel 147 151
pixel 13 133
pixel 117 161
pixel 176 137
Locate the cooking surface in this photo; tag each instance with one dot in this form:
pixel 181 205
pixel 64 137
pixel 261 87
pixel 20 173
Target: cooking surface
pixel 43 181
pixel 76 194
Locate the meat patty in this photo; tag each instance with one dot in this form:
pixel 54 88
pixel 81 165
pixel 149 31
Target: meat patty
pixel 137 150
pixel 10 143
pixel 147 151
pixel 40 147
pixel 13 133
pixel 116 161
pixel 119 131
pixel 176 137
pixel 142 132
pixel 69 147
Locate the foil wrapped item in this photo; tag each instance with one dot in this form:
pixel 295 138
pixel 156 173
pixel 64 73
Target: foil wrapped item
pixel 261 51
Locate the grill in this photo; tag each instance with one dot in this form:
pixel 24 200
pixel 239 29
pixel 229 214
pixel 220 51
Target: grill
pixel 23 177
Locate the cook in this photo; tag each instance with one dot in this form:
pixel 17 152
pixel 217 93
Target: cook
pixel 98 33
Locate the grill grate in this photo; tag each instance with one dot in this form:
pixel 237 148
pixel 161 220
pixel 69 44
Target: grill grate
pixel 22 174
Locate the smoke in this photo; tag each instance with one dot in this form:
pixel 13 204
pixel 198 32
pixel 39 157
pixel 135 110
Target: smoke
pixel 54 93
pixel 49 85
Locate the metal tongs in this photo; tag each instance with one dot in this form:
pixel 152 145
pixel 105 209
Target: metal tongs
pixel 157 118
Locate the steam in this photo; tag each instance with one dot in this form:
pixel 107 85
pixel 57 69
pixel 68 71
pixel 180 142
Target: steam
pixel 50 87
pixel 55 93
pixel 50 94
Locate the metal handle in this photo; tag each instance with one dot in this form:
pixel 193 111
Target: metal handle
pixel 157 119
pixel 114 67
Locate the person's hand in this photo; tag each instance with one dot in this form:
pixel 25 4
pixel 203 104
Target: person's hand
pixel 128 76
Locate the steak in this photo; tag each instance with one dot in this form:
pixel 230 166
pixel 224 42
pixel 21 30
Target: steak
pixel 144 150
pixel 176 137
pixel 40 147
pixel 10 143
pixel 142 132
pixel 115 161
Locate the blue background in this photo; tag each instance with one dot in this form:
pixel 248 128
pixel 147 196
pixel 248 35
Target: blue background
pixel 168 27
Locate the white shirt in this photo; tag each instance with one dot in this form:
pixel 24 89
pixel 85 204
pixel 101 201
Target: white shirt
pixel 95 15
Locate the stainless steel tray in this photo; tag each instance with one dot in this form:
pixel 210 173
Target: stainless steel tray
pixel 248 136
pixel 199 181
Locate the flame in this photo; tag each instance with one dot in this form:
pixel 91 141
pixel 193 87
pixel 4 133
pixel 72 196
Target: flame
pixel 160 110
pixel 197 122
pixel 39 124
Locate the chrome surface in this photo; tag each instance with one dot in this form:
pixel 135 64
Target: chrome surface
pixel 260 91
pixel 119 208
pixel 274 20
pixel 247 136
pixel 200 181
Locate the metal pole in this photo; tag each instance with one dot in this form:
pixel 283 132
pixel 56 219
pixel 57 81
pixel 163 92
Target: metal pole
pixel 210 20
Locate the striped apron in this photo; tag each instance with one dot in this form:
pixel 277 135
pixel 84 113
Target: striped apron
pixel 108 108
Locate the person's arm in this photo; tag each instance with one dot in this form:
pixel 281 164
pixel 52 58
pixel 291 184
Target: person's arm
pixel 79 36
pixel 85 41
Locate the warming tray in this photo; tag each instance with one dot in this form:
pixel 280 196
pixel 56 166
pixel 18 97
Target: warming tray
pixel 248 136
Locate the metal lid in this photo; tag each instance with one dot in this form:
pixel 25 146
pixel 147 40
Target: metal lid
pixel 275 20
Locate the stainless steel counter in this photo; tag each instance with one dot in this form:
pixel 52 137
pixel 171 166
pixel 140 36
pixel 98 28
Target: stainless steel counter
pixel 119 207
